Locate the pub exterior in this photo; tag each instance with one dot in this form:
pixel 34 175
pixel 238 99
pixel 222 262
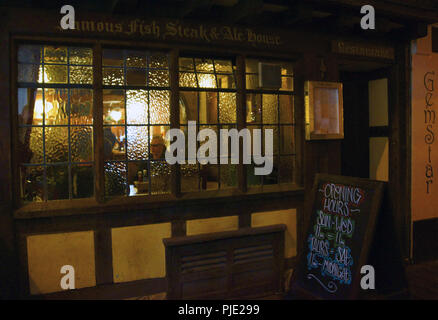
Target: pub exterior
pixel 84 119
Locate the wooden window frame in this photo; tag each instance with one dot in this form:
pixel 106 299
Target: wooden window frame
pixel 99 203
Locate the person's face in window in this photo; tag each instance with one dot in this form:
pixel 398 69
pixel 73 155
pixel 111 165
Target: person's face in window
pixel 157 148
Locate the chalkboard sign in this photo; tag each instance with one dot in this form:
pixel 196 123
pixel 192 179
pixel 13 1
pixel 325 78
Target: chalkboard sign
pixel 340 228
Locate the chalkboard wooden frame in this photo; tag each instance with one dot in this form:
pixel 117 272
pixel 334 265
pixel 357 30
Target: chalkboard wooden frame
pixel 299 291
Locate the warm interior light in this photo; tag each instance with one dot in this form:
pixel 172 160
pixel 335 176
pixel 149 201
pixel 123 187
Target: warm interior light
pixel 116 115
pixel 39 108
pixel 206 81
pixel 137 111
pixel 40 76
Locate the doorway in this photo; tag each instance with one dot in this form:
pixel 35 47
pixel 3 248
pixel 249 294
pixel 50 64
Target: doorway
pixel 365 148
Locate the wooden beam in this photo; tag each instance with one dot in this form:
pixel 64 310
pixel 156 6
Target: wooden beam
pixel 243 9
pixel 395 10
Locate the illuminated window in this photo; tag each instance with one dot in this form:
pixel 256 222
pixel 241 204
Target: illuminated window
pixel 55 107
pixel 207 96
pixel 272 109
pixel 56 124
pixel 136 117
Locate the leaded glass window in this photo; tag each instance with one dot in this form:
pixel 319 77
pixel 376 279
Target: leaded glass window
pixel 207 96
pixel 55 134
pixel 272 109
pixel 136 117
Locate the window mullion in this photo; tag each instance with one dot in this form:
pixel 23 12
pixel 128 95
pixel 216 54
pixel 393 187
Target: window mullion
pixel 241 118
pixel 174 116
pixel 99 184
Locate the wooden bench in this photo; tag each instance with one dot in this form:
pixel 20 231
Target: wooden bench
pixel 242 264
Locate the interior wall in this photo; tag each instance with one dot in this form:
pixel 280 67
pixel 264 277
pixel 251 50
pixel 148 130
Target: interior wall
pixel 424 130
pixel 378 117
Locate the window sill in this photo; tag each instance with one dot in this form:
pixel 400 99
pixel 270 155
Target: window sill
pixel 58 208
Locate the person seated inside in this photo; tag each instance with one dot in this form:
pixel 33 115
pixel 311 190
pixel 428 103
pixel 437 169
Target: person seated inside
pixel 159 169
pixel 158 148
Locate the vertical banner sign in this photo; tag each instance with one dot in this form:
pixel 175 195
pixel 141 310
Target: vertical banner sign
pixel 424 134
pixel 342 219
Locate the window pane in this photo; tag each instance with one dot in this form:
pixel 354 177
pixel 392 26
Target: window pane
pixel 270 108
pixel 189 177
pixel 226 81
pixel 204 65
pixel 228 174
pixel 159 106
pixel 115 179
pixel 207 80
pixel 82 181
pixel 55 74
pixel 136 59
pixel 114 143
pixel 274 138
pixel 287 69
pixel 186 64
pixel 29 53
pixel 57 182
pixel 81 144
pixel 28 73
pixel 112 57
pixel 208 107
pixel 286 109
pixel 56 106
pixel 159 61
pixel 138 178
pixel 158 143
pixel 287 139
pixel 158 78
pixel 83 56
pixel 251 178
pixel 55 54
pixel 187 80
pixel 81 106
pixel 32 183
pixel 223 66
pixel 160 177
pixel 136 77
pixel 137 142
pixel 188 103
pixel 227 107
pixel 81 75
pixel 252 81
pixel 113 76
pixel 113 106
pixel 253 108
pixel 137 106
pixel 272 178
pixel 209 173
pixel 27 104
pixel 30 148
pixel 56 147
pixel 287 83
pixel 251 66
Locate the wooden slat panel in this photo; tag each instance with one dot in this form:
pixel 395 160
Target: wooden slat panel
pixel 238 263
